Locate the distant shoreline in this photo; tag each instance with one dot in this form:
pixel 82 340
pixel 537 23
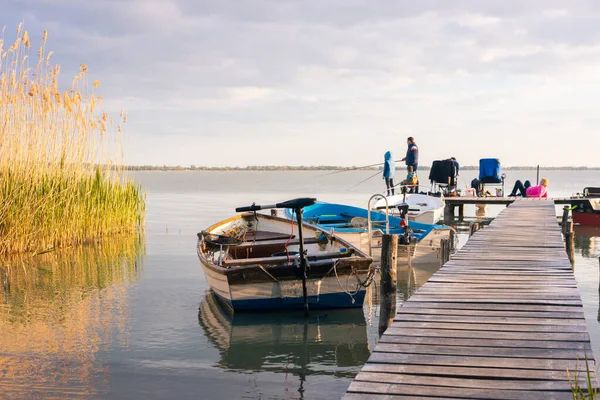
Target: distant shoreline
pixel 326 168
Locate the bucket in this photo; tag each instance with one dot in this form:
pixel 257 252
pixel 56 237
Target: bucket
pixel 499 192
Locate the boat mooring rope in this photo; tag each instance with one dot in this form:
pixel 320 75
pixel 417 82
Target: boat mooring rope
pixel 364 284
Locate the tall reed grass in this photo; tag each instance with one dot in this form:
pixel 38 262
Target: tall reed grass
pixel 61 181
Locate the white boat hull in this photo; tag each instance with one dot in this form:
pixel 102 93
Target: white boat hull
pixel 326 293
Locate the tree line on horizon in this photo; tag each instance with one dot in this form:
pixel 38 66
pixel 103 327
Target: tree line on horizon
pixel 325 168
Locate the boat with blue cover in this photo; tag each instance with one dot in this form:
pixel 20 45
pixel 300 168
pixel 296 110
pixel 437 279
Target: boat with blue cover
pixel 351 224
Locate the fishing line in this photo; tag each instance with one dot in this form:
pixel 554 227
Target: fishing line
pixel 355 168
pixel 363 181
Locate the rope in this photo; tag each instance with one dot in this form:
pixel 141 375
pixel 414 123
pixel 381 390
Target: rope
pixel 364 284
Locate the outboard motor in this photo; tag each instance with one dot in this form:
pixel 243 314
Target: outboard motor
pixel 403 209
pixel 298 206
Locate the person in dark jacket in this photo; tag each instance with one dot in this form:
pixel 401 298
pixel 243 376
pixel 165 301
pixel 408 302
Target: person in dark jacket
pixel 389 168
pixel 412 154
pixel 412 157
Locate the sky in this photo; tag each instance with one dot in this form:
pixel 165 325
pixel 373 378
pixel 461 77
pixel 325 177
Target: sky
pixel 337 82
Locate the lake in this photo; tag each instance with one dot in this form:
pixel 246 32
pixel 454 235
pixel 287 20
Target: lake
pixel 134 317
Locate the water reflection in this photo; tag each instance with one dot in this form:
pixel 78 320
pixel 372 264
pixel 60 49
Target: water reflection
pixel 327 343
pixel 587 244
pixel 59 314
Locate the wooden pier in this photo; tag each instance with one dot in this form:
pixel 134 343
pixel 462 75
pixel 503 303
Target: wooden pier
pixel 459 202
pixel 502 319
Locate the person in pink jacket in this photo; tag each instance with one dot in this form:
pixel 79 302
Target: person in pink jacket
pixel 526 190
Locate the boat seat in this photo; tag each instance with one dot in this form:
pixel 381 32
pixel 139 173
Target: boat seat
pixel 284 259
pixel 266 243
pixel 260 236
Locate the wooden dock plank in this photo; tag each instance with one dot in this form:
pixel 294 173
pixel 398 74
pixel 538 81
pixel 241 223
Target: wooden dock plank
pixel 503 319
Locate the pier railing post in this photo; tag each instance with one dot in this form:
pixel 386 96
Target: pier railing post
pixel 387 296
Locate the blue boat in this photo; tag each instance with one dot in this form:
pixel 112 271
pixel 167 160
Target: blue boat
pixel 350 223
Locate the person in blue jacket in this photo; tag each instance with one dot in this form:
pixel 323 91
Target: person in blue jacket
pixel 388 172
pixel 412 154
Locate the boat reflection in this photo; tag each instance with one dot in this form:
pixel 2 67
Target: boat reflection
pixel 326 343
pixel 58 312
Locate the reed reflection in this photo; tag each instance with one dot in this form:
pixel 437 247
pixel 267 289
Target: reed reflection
pixel 60 313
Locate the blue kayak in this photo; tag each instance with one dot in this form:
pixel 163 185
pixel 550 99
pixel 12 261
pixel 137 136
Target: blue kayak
pixel 341 218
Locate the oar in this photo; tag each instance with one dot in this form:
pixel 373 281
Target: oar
pixel 355 168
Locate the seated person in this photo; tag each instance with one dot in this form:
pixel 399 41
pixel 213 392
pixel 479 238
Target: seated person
pixel 411 179
pixel 526 190
pixel 476 184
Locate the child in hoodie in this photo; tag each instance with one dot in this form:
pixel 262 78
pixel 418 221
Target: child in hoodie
pixel 388 172
pixel 411 179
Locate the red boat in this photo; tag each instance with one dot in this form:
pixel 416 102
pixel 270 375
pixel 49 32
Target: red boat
pixel 588 208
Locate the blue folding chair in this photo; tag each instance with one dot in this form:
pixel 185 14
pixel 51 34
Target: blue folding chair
pixel 490 173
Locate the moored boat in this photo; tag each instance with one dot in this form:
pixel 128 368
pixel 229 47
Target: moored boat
pixel 255 261
pixel 351 224
pixel 587 208
pixel 421 207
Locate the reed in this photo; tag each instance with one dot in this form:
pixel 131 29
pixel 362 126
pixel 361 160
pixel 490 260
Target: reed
pixel 61 180
pixel 590 391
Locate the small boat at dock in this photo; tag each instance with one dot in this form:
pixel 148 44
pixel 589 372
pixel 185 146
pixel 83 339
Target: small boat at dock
pixel 586 210
pixel 351 224
pixel 255 261
pixel 421 207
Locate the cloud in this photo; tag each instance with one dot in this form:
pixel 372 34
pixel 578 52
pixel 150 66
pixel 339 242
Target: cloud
pixel 252 76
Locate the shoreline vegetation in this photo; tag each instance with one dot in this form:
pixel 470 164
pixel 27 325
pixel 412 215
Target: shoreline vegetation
pixel 280 168
pixel 61 179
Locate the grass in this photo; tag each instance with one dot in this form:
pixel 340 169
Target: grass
pixel 590 392
pixel 61 180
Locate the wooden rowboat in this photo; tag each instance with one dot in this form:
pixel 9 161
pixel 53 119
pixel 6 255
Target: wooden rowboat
pixel 253 261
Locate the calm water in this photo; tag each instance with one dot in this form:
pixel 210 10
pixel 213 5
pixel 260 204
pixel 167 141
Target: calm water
pixel 134 318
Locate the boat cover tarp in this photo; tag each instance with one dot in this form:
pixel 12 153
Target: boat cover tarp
pixel 443 171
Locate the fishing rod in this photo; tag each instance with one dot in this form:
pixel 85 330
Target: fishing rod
pixel 363 181
pixel 355 168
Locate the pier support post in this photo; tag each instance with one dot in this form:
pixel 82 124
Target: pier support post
pixel 565 219
pixel 461 211
pixel 570 242
pixel 473 227
pixel 449 211
pixel 387 295
pixel 444 251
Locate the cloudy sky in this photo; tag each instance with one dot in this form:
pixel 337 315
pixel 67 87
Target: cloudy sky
pixel 247 82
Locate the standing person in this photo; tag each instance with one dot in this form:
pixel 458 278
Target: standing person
pixel 412 157
pixel 389 168
pixel 456 166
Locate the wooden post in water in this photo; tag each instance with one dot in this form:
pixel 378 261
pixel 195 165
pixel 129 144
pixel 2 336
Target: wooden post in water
pixel 537 179
pixel 387 295
pixel 570 242
pixel 444 251
pixel 473 227
pixel 565 219
pixel 461 211
pixel 449 211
